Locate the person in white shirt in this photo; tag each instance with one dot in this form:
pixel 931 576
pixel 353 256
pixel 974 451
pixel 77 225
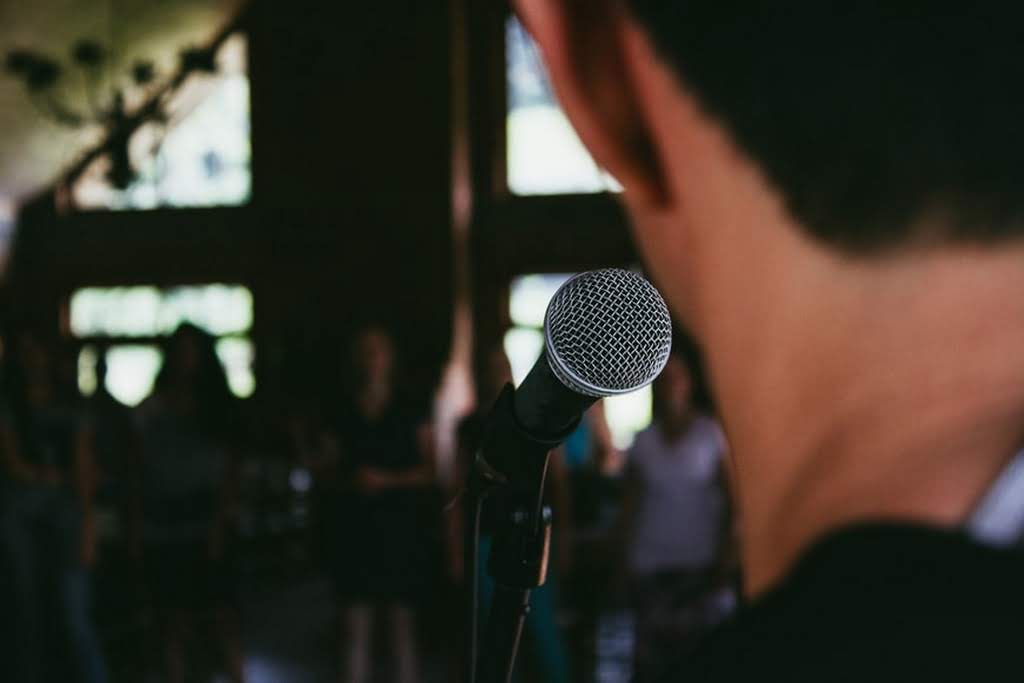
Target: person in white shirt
pixel 676 521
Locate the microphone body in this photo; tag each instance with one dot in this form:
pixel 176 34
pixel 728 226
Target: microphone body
pixel 544 406
pixel 606 332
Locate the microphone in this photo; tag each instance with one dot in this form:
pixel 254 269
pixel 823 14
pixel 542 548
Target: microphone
pixel 606 332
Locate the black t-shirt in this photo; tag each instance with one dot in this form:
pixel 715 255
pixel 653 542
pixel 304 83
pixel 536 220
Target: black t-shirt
pixel 388 442
pixel 382 541
pixel 879 602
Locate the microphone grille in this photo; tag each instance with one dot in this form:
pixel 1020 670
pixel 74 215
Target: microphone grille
pixel 607 332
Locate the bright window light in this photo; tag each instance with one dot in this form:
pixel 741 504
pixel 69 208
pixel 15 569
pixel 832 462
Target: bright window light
pixel 87 360
pixel 202 156
pixel 150 312
pixel 544 154
pixel 131 372
pixel 236 355
pixel 529 296
pixel 218 309
pixel 627 415
pixel 522 346
pixel 117 311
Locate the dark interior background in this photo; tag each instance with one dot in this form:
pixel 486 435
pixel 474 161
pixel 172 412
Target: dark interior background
pixel 378 196
pixel 378 193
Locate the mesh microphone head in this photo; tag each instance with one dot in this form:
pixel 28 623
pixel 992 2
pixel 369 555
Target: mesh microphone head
pixel 607 332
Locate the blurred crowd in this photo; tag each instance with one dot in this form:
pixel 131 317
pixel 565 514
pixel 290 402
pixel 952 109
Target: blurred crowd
pixel 131 538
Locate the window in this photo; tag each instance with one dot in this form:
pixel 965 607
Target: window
pixel 528 300
pixel 129 322
pixel 201 157
pixel 544 155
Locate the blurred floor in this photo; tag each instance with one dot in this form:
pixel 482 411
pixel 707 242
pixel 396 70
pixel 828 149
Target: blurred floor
pixel 289 633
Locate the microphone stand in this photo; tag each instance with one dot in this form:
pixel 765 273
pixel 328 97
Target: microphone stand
pixel 509 473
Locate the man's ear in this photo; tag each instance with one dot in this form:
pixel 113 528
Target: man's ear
pixel 583 43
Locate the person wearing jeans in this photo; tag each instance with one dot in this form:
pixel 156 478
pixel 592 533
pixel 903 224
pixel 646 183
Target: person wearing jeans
pixel 47 531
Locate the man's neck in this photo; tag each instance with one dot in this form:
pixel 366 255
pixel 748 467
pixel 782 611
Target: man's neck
pixel 896 392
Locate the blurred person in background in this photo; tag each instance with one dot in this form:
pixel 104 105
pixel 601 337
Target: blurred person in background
pixel 595 478
pixel 47 522
pixel 596 598
pixel 119 588
pixel 676 523
pixel 187 492
pixel 552 659
pixel 116 446
pixel 381 555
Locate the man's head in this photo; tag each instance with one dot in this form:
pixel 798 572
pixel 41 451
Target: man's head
pixel 828 196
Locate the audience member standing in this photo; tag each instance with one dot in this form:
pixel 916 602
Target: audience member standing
pixel 676 522
pixel 188 485
pixel 116 447
pixel 383 551
pixel 47 524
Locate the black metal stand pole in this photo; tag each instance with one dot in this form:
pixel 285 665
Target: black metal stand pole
pixel 518 564
pixel 509 473
pixel 509 608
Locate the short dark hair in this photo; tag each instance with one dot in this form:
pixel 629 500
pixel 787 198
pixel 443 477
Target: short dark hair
pixel 868 116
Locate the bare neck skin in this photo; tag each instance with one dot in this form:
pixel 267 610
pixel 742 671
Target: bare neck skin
pixel 845 408
pixel 850 389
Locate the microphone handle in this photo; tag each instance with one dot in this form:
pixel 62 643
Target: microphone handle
pixel 545 407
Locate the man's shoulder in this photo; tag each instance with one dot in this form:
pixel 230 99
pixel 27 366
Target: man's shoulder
pixel 875 602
